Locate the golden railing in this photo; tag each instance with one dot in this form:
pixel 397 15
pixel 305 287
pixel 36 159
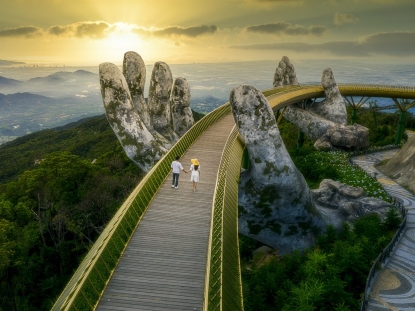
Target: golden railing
pixel 88 282
pixel 223 289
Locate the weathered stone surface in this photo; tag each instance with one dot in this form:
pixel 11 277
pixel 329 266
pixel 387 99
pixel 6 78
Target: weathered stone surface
pixel 326 121
pixel 130 116
pixel 159 100
pixel 285 73
pixel 351 137
pixel 138 143
pixel 339 202
pixel 275 201
pixel 402 166
pixel 134 71
pixel 308 122
pixel 332 107
pixel 182 115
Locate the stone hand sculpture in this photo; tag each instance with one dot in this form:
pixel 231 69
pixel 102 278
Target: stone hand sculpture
pixel 146 130
pixel 275 201
pixel 285 73
pixel 326 121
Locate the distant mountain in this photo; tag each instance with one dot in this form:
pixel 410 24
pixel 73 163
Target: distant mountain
pixel 65 76
pixel 23 113
pixel 80 83
pixel 9 63
pixel 88 138
pixel 7 83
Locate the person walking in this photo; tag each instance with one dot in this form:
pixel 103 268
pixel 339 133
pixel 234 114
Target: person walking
pixel 176 166
pixel 195 169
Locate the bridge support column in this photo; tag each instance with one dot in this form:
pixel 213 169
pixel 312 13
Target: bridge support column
pixel 401 127
pixel 300 139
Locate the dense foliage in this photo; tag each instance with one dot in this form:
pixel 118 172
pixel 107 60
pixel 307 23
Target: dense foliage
pixel 331 276
pixel 60 187
pixel 383 126
pixel 51 210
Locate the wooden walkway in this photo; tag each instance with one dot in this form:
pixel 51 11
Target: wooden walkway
pixel 164 265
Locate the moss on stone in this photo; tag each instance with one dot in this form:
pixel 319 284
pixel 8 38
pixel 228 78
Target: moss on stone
pixel 241 211
pixel 254 228
pixel 292 230
pixel 274 226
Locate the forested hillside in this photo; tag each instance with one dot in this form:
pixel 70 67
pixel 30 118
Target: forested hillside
pixel 58 189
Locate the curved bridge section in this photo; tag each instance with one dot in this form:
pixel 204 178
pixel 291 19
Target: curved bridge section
pixel 168 249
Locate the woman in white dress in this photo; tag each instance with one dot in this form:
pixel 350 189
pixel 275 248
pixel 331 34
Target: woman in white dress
pixel 195 169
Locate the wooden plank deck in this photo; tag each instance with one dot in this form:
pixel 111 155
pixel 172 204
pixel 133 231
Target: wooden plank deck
pixel 164 265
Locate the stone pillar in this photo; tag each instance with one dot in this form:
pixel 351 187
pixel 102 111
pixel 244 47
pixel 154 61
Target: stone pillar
pixel 182 116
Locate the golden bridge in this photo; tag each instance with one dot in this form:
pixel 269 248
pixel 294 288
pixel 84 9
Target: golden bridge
pixel 175 249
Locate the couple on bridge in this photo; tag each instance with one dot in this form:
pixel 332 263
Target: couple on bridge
pixel 194 168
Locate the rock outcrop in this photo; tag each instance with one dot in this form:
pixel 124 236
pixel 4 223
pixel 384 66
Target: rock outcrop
pixel 145 130
pixel 275 201
pixel 322 121
pixel 402 166
pixel 339 202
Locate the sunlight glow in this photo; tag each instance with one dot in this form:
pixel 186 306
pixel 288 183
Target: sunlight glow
pixel 120 40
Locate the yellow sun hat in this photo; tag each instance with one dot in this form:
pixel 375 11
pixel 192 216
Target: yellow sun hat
pixel 194 161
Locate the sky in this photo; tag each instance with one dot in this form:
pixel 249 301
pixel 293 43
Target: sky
pixel 90 32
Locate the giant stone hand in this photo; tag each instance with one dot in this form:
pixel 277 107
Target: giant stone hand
pixel 144 129
pixel 274 195
pixel 326 121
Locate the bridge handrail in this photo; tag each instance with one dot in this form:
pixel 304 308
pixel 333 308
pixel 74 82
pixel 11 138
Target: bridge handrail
pixel 384 256
pixel 90 279
pixel 84 289
pixel 223 284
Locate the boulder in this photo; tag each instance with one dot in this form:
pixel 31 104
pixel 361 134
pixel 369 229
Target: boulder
pixel 339 202
pixel 275 201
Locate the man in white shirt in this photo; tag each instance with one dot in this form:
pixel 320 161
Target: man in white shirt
pixel 176 167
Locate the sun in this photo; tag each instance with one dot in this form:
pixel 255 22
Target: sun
pixel 120 40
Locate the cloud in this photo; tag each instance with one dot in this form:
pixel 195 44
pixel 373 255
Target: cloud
pixel 276 1
pixel 287 29
pixel 176 31
pixel 340 19
pixel 24 31
pixel 82 29
pixel 398 44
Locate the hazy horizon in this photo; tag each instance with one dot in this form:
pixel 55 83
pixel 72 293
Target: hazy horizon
pixel 89 32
